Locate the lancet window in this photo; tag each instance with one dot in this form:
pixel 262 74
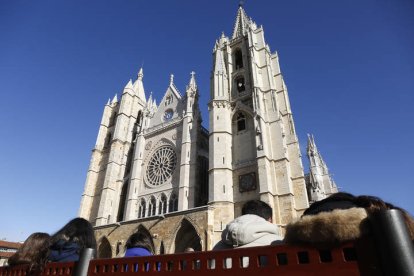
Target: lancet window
pixel 142 208
pixel 152 207
pixel 173 203
pixel 241 121
pixel 162 206
pixel 240 84
pixel 238 59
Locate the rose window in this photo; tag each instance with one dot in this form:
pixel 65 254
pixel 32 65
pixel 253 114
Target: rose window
pixel 161 166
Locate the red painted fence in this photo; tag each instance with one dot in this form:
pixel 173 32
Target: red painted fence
pixel 390 251
pixel 357 258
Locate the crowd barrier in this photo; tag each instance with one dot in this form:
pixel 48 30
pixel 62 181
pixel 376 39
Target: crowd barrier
pixel 388 252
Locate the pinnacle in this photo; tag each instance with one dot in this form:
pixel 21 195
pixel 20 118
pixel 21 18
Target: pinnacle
pixel 141 73
pixel 242 23
pixel 192 83
pixel 129 84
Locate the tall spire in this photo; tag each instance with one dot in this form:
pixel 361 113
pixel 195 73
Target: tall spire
pixel 242 23
pixel 192 84
pixel 311 149
pixel 219 62
pixel 149 102
pixel 139 86
pixel 315 157
pixel 320 183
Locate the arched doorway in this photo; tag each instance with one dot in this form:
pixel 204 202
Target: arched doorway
pixel 104 249
pixel 186 237
pixel 141 229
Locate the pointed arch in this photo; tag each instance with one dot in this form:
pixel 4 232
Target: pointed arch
pixel 238 59
pixel 162 205
pixel 173 203
pixel 142 208
pixel 186 237
pixel 241 107
pixel 240 121
pixel 104 249
pixel 144 231
pixel 152 207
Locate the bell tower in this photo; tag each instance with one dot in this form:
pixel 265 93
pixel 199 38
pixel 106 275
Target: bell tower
pixel 105 196
pixel 254 151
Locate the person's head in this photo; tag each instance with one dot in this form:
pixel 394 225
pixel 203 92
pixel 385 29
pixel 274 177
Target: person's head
pixel 140 239
pixel 370 203
pixel 259 208
pixel 335 201
pixel 34 251
pixel 373 204
pixel 77 230
pixel 189 249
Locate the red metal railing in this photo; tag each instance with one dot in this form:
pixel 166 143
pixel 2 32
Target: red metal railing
pixel 389 252
pixel 357 258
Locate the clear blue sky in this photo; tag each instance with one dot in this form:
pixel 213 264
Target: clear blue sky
pixel 349 67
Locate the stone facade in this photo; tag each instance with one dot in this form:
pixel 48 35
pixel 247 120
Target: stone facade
pixel 155 169
pixel 254 150
pixel 171 232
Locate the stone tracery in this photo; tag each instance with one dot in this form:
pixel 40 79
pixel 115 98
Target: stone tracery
pixel 161 166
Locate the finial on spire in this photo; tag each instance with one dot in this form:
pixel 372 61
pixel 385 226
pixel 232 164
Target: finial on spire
pixel 192 83
pixel 141 73
pixel 241 3
pixel 172 79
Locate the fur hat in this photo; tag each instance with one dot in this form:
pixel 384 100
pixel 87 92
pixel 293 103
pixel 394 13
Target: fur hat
pixel 328 228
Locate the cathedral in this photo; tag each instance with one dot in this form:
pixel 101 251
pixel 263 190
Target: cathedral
pixel 156 169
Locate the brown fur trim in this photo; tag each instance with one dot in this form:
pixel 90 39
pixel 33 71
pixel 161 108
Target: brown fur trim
pixel 328 228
